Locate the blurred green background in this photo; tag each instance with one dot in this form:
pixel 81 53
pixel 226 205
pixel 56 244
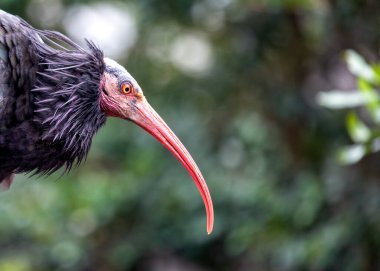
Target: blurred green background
pixel 237 80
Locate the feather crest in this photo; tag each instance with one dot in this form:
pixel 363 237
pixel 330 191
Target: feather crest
pixel 66 94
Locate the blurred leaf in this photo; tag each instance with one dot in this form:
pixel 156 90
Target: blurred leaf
pixel 372 105
pixel 359 67
pixel 351 154
pixel 376 69
pixel 338 99
pixel 358 131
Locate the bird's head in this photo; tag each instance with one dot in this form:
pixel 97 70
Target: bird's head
pixel 122 97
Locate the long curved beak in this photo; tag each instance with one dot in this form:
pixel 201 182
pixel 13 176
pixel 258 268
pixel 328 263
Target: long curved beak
pixel 147 118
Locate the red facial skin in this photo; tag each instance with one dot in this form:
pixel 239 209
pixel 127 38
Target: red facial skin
pixel 128 102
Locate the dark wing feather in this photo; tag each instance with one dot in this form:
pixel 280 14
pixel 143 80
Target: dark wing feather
pixel 18 70
pixel 17 74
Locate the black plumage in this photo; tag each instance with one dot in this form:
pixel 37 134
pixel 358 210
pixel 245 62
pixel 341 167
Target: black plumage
pixel 49 98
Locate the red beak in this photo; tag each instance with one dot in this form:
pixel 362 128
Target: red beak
pixel 150 121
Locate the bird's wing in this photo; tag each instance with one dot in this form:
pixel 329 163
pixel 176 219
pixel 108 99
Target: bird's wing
pixel 17 74
pixel 4 76
pixel 17 70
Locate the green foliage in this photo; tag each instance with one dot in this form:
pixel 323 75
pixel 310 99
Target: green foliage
pixel 366 138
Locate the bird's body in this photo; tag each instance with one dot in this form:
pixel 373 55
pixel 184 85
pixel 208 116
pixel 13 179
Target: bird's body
pixel 55 95
pixel 49 100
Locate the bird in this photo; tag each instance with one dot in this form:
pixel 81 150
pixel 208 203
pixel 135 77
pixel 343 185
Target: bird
pixel 55 95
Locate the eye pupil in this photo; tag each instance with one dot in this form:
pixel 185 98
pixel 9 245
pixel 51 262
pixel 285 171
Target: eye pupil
pixel 126 88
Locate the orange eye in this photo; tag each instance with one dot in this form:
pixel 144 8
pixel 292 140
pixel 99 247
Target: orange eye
pixel 127 88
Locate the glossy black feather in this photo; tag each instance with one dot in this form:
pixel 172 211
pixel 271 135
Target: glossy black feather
pixel 49 98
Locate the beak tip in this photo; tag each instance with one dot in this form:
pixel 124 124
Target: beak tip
pixel 210 223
